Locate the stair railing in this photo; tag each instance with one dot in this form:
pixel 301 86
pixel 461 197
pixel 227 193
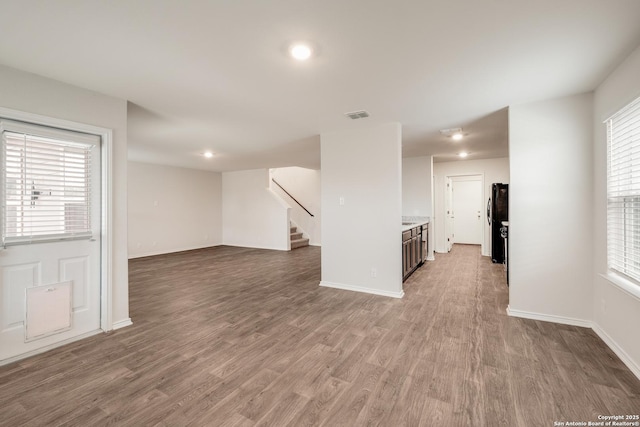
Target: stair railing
pixel 293 198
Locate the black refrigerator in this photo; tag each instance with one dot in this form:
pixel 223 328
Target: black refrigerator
pixel 498 211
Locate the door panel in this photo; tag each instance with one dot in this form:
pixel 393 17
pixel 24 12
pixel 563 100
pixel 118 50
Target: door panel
pixel 467 202
pixel 28 265
pixel 16 279
pixel 77 271
pixel 51 263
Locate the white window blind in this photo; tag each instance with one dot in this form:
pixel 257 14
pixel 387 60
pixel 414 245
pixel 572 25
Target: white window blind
pixel 46 183
pixel 623 191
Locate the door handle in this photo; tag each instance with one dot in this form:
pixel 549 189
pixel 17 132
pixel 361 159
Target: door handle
pixel 489 211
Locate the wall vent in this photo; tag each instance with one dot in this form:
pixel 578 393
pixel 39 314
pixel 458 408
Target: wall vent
pixel 357 114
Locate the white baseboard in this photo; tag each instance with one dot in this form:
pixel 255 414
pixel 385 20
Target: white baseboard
pixel 626 359
pixel 269 248
pixel 610 342
pixel 170 251
pixel 49 347
pixel 362 289
pixel 122 323
pixel 548 318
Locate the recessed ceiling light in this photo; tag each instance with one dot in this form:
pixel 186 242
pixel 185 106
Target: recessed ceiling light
pixel 463 154
pixel 300 51
pixel 208 154
pixel 457 136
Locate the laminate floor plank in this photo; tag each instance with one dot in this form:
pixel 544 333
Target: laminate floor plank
pixel 231 336
pixel 283 411
pixel 317 408
pixel 347 410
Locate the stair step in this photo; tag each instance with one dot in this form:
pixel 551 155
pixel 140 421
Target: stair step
pixel 292 229
pixel 297 235
pixel 299 243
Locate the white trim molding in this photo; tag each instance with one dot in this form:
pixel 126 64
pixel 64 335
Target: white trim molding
pixel 171 251
pixel 106 306
pixel 548 318
pixel 362 289
pixel 613 345
pixel 610 342
pixel 626 285
pixel 121 323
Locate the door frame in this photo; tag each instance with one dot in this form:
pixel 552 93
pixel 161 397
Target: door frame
pixel 106 205
pixel 451 178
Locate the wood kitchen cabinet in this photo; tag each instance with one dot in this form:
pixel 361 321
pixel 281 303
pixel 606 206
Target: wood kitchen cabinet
pixel 411 251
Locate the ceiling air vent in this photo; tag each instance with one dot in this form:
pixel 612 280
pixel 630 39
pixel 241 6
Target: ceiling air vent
pixel 357 114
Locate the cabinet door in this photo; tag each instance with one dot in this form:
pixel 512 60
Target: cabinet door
pixel 425 236
pixel 405 257
pixel 414 246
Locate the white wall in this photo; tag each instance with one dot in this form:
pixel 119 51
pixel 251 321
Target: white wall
pixel 416 186
pixel 550 210
pixel 493 170
pixel 304 185
pixel 417 192
pixel 252 215
pixel 34 94
pixel 173 209
pixel 361 238
pixel 616 311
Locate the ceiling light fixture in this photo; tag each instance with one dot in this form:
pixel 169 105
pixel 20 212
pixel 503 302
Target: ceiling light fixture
pixel 453 133
pixel 354 115
pixel 463 154
pixel 300 51
pixel 208 154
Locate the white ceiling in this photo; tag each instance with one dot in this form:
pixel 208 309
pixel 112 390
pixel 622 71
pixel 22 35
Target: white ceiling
pixel 214 75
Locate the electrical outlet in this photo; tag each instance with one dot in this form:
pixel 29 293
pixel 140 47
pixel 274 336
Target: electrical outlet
pixel 341 200
pixel 374 272
pixel 604 306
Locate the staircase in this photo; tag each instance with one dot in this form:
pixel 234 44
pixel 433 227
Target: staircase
pixel 297 241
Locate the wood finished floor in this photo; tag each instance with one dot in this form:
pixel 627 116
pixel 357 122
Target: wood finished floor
pixel 241 337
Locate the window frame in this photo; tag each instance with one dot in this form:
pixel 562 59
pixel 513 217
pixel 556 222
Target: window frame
pixel 623 241
pixel 72 138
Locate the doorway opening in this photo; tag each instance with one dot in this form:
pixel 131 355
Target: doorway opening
pixel 464 197
pixel 56 234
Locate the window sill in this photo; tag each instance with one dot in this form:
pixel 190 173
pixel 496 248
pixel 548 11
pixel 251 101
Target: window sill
pixel 628 286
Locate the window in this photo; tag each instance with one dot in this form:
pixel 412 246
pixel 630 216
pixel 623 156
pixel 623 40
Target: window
pixel 623 191
pixel 46 183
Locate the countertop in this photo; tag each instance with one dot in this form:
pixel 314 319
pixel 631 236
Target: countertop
pixel 409 222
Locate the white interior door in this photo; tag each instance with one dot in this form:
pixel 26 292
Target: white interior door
pixel 467 211
pixel 449 214
pixel 50 258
